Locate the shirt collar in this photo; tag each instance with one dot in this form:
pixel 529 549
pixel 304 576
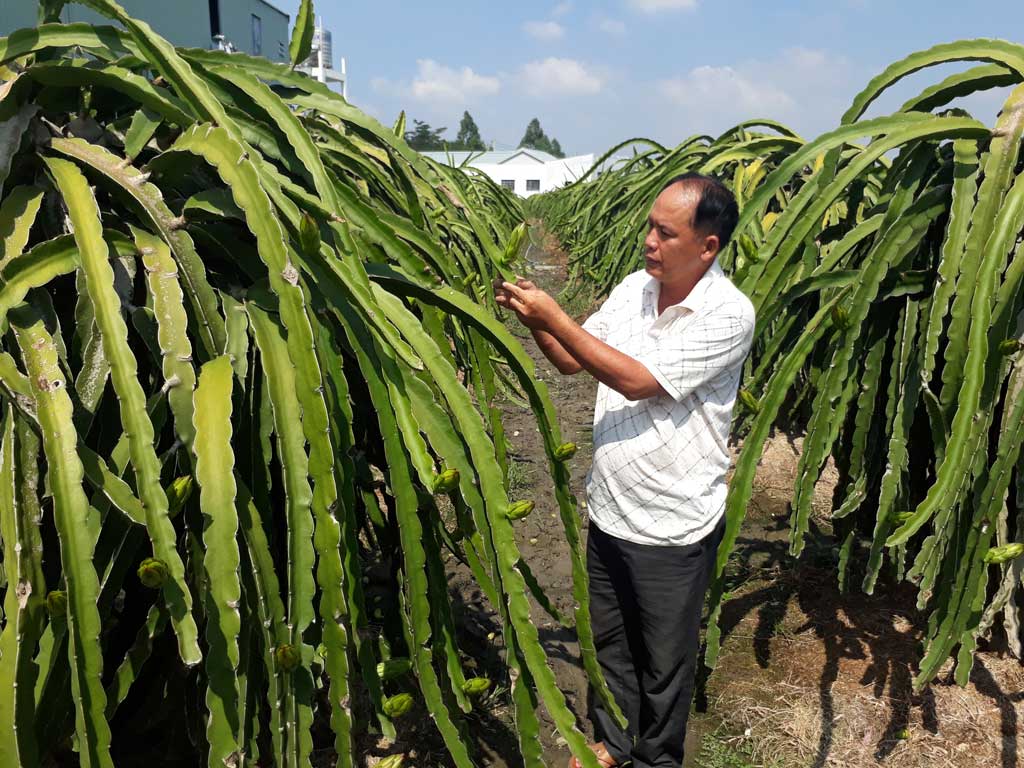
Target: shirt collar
pixel 695 298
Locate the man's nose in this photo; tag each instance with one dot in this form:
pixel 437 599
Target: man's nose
pixel 650 241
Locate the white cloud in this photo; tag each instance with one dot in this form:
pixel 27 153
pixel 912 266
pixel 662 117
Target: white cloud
pixel 804 88
pixel 707 87
pixel 561 9
pixel 558 77
pixel 612 27
pixel 544 30
pixel 435 82
pixel 654 6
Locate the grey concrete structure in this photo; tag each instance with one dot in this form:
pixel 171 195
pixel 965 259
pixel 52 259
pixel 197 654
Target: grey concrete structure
pixel 255 26
pixel 258 27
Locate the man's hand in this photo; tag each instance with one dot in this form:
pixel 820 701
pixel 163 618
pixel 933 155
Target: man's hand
pixel 534 308
pixel 570 347
pixel 538 312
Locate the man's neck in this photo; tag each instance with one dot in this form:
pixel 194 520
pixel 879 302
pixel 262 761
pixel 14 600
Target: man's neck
pixel 673 293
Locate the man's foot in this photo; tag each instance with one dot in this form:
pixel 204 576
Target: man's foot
pixel 602 755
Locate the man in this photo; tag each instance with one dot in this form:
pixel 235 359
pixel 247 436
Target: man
pixel 667 348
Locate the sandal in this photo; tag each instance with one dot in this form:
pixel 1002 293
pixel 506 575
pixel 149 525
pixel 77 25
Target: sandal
pixel 602 755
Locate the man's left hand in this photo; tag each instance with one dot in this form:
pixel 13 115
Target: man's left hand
pixel 534 308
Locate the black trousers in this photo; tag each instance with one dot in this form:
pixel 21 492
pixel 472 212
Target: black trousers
pixel 645 606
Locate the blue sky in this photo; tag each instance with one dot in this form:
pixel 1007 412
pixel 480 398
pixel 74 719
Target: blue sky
pixel 596 73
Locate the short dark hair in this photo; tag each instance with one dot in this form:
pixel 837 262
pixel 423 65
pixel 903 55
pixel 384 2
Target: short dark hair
pixel 717 212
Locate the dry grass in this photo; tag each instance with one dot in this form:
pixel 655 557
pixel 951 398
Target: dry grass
pixel 827 682
pixel 776 475
pixel 811 677
pixel 789 730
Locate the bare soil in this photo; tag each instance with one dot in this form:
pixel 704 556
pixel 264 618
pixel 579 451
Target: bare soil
pixel 807 676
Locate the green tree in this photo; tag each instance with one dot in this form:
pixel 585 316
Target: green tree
pixel 424 138
pixel 535 138
pixel 469 135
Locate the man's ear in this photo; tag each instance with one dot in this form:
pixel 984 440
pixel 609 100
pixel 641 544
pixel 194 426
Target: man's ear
pixel 711 247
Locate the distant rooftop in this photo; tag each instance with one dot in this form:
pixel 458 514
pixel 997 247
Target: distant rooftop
pixel 488 158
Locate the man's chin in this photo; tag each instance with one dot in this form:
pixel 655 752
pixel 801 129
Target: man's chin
pixel 653 269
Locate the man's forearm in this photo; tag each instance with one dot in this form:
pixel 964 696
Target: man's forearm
pixel 570 347
pixel 556 353
pixel 626 375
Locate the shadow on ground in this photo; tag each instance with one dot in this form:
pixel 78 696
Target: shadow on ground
pixel 794 635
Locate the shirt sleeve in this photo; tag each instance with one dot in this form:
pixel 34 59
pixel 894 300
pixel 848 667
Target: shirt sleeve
pixel 705 349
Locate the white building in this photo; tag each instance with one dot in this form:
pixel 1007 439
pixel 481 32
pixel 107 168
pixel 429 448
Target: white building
pixel 525 171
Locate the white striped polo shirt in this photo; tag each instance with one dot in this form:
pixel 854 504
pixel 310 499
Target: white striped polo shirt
pixel 658 475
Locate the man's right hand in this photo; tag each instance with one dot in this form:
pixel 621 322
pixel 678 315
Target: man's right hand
pixel 524 298
pixel 534 307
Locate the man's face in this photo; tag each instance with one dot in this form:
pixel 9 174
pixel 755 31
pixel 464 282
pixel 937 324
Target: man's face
pixel 673 250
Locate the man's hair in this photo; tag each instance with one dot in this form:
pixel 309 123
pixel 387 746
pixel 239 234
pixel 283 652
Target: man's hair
pixel 717 212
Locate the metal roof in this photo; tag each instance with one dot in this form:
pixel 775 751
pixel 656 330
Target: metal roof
pixel 489 158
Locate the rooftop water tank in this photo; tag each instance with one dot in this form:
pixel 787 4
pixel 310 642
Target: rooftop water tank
pixel 321 40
